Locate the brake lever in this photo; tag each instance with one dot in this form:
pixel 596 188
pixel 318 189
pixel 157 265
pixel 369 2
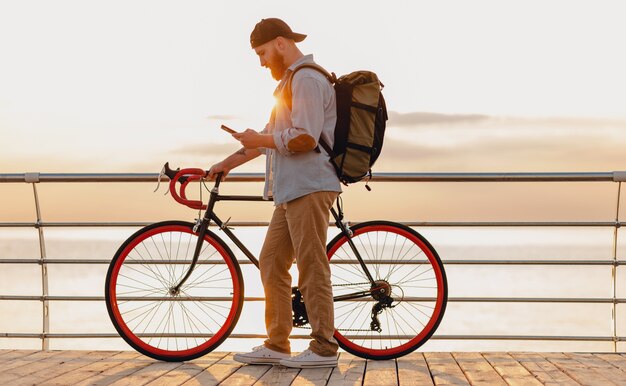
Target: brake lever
pixel 161 174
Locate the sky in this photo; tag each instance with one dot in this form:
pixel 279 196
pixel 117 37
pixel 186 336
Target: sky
pixel 480 86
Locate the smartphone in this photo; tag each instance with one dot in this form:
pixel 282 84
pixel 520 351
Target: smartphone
pixel 227 129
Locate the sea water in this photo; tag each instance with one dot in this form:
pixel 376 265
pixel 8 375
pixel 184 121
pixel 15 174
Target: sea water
pixel 452 243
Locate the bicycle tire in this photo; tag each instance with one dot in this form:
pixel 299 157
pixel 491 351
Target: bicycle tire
pixel 419 289
pixel 194 321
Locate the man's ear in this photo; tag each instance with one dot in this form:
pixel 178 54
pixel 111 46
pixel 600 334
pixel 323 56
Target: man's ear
pixel 281 44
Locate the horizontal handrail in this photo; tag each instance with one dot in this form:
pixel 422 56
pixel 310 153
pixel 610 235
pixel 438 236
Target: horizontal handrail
pixel 299 336
pixel 92 224
pixel 260 299
pixel 245 262
pixel 382 177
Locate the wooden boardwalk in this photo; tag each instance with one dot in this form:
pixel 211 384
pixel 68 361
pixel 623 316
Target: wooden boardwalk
pixel 22 367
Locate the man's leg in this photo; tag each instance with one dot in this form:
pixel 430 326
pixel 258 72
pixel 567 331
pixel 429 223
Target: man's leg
pixel 275 260
pixel 308 225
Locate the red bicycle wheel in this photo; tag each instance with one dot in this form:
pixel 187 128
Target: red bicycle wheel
pixel 162 323
pixel 407 267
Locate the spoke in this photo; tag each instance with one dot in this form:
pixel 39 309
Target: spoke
pixel 418 310
pixel 195 281
pixel 402 281
pixel 406 323
pixel 143 313
pixel 130 267
pixel 209 329
pixel 156 266
pixel 150 321
pixel 190 322
pixel 151 291
pixel 199 304
pixel 140 282
pixel 357 269
pixel 392 312
pixel 136 309
pixel 168 267
pixel 399 266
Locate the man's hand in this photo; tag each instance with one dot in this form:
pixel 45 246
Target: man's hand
pixel 217 168
pixel 250 139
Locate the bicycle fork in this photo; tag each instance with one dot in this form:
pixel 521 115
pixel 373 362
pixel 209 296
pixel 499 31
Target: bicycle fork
pixel 201 227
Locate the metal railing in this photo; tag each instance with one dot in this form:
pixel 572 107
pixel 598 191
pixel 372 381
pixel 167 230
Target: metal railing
pixel 616 177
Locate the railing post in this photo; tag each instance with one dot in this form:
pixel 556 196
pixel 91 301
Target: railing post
pixel 34 179
pixel 614 268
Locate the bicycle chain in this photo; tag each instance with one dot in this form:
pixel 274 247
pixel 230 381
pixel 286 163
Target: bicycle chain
pixel 344 329
pixel 349 284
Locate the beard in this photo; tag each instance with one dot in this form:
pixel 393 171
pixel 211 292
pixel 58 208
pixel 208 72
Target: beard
pixel 277 66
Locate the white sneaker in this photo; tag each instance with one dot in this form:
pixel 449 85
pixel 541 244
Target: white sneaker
pixel 261 355
pixel 307 359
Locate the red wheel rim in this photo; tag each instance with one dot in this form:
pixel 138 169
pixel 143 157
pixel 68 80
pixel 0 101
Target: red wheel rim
pixel 428 329
pixel 217 337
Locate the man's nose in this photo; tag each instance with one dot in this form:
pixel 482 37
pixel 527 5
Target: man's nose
pixel 263 62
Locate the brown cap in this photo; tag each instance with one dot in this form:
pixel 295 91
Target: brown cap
pixel 270 29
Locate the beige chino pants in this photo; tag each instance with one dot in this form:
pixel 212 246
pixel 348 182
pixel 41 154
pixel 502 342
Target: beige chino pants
pixel 298 229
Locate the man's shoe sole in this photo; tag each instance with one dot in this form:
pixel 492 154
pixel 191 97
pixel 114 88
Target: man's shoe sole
pixel 257 361
pixel 310 365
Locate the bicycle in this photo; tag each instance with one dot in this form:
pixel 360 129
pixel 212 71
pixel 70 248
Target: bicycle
pixel 174 290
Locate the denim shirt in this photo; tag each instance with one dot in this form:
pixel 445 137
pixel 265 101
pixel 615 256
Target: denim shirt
pixel 290 173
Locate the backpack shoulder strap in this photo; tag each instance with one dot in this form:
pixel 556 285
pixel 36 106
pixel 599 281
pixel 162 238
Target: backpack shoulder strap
pixel 286 95
pixel 287 91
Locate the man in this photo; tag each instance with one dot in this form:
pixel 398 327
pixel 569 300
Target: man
pixel 304 186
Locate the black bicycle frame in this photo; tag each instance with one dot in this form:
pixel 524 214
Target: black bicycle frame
pixel 209 215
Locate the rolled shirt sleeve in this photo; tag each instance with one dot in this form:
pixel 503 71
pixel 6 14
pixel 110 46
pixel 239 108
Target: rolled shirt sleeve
pixel 307 116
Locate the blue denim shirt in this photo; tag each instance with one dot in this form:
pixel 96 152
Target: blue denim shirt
pixel 291 173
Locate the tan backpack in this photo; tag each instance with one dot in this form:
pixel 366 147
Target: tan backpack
pixel 361 120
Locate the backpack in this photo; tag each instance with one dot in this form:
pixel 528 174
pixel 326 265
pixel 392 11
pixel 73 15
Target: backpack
pixel 361 120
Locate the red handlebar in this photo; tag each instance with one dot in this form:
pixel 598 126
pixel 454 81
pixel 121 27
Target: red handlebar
pixel 192 174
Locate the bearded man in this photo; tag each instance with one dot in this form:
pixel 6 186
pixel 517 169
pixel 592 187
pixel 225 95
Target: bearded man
pixel 303 185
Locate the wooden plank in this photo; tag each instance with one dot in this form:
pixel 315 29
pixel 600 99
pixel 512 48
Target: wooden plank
pixel 246 375
pixel 215 373
pixel 38 361
pixel 26 360
pixel 444 369
pixel 513 373
pixel 349 371
pixel 413 370
pixel 477 370
pixel 278 376
pixel 614 359
pixel 147 374
pixel 601 366
pixel 576 370
pixel 62 364
pixel 93 369
pixel 15 354
pixel 188 370
pixel 125 368
pixel 543 370
pixel 381 373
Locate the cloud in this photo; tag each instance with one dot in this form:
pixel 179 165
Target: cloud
pixel 204 149
pixel 417 118
pixel 555 154
pixel 425 118
pixel 218 117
